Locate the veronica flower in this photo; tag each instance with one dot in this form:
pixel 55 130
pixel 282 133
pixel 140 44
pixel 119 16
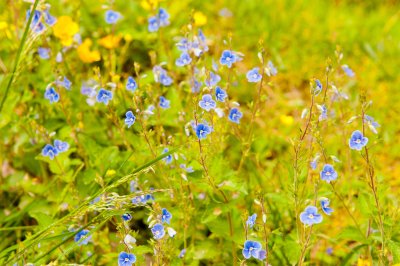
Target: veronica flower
pixel 253 75
pixel 52 95
pixel 112 16
pixel 196 85
pixel 324 112
pixel 44 53
pixel 188 169
pixel 163 16
pixel 328 173
pixel 251 249
pixel 131 84
pixel 184 45
pixel 166 216
pixel 158 231
pixel 220 94
pixel 61 146
pixel 126 217
pixel 153 24
pixel 36 25
pixel 251 221
pixel 164 103
pixel 349 72
pixel 49 151
pixel 66 83
pixel 270 69
pixel 104 96
pixel 171 232
pixel 168 158
pixel 235 115
pixel 372 124
pixel 228 58
pixel 81 237
pixel 202 131
pixel 49 19
pixel 314 162
pixel 183 60
pixel 182 253
pixel 129 119
pixel 161 76
pixel 310 216
pixel 357 141
pixel 325 206
pixel 317 87
pixel 207 103
pixel 212 79
pixel 126 259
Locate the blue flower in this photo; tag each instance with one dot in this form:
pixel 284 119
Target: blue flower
pixel 81 237
pixel 183 45
pixel 61 146
pixel 112 16
pixel 261 255
pixel 317 87
pixel 212 79
pixel 44 53
pixel 357 141
pixel 182 253
pixel 165 79
pixel 310 216
pixel 166 216
pixel 314 162
pixel 153 24
pixel 36 17
pixel 207 103
pixel 220 94
pixel 163 16
pixel 66 83
pixel 104 96
pixel 126 259
pixel 129 119
pixel 324 112
pixel 183 60
pixel 325 206
pixel 251 221
pixel 235 115
pixel 49 19
pixel 131 84
pixel 253 75
pixel 196 85
pixel 349 72
pixel 168 158
pixel 158 231
pixel 372 124
pixel 251 249
pixel 161 76
pixel 49 151
pixel 328 173
pixel 52 95
pixel 126 216
pixel 270 69
pixel 164 103
pixel 228 58
pixel 202 131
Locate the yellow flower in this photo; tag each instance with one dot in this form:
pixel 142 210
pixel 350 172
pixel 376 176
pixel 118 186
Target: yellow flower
pixel 286 119
pixel 65 29
pixel 363 262
pixel 150 4
pixel 199 19
pixel 85 54
pixel 3 25
pixel 110 41
pixel 110 172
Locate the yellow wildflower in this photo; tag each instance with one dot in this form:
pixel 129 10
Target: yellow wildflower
pixel 199 19
pixel 110 41
pixel 85 54
pixel 65 29
pixel 150 4
pixel 363 262
pixel 110 172
pixel 286 119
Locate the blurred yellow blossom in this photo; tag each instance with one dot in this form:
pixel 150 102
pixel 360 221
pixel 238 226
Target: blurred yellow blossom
pixel 199 18
pixel 65 29
pixel 150 4
pixel 85 54
pixel 286 119
pixel 3 25
pixel 110 172
pixel 363 262
pixel 110 41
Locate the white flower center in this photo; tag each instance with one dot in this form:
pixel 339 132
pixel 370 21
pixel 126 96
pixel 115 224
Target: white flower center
pixel 311 216
pixel 358 141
